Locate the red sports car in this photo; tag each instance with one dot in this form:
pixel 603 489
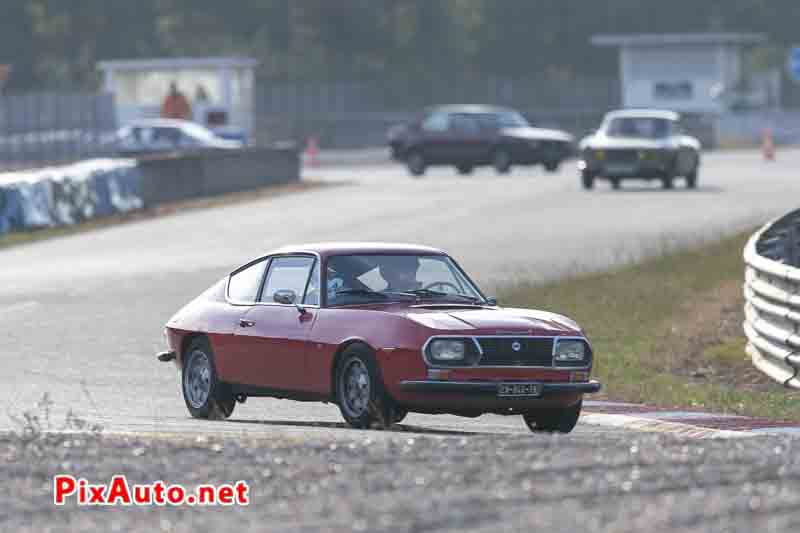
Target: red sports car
pixel 379 330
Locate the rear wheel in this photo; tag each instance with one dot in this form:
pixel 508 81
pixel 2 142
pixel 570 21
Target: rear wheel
pixel 362 399
pixel 691 180
pixel 205 395
pixel 667 181
pixel 416 163
pixel 615 183
pixel 501 161
pixel 558 420
pixel 587 179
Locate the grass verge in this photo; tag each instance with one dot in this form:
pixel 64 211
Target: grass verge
pixel 26 237
pixel 667 331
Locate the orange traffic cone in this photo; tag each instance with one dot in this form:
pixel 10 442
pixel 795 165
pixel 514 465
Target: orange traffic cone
pixel 312 149
pixel 768 145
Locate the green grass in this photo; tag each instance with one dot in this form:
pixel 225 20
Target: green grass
pixel 651 324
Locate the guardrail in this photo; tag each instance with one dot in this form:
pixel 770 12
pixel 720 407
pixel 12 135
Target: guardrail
pixel 772 299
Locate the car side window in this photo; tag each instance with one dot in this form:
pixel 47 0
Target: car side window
pixel 464 125
pixel 436 123
pixel 244 284
pixel 286 274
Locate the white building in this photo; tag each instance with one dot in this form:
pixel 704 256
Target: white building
pixel 219 89
pixel 692 72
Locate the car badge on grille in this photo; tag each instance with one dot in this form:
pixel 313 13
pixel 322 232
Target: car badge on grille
pixel 516 346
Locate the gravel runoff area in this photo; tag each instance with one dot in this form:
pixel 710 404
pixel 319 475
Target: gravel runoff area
pixel 395 481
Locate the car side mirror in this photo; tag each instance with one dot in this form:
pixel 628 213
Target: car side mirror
pixel 284 296
pixel 491 301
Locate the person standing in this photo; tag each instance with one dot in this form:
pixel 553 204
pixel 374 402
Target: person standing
pixel 176 105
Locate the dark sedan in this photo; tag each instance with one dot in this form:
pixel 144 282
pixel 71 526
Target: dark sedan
pixel 470 136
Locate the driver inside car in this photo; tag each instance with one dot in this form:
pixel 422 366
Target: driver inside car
pixel 400 273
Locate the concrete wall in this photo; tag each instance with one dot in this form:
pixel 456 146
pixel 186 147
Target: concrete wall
pixel 171 178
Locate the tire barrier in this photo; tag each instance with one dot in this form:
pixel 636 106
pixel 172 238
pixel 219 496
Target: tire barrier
pixel 70 194
pixel 772 299
pixel 65 195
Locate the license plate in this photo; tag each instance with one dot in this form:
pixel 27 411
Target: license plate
pixel 619 169
pixel 519 389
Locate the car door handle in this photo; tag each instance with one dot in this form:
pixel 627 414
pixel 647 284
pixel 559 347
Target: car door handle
pixel 246 323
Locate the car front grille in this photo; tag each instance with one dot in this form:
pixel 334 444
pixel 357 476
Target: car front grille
pixel 500 351
pixel 622 156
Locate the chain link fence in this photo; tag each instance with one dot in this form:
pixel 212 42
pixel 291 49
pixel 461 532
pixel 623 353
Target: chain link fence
pixel 45 128
pixel 357 114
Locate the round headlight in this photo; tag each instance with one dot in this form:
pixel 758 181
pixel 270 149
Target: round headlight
pixel 570 351
pixel 447 350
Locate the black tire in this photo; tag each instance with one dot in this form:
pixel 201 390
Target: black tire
pixel 360 393
pixel 560 420
pixel 415 162
pixel 464 169
pixel 667 182
pixel 552 166
pixel 691 180
pixel 399 414
pixel 501 161
pixel 204 394
pixel 615 183
pixel 587 180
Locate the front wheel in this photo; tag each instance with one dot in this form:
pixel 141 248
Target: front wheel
pixel 587 180
pixel 554 420
pixel 205 395
pixel 359 390
pixel 552 166
pixel 501 161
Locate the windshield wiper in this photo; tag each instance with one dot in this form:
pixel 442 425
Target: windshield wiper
pixel 423 293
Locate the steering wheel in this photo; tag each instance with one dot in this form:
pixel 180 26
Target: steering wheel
pixel 456 290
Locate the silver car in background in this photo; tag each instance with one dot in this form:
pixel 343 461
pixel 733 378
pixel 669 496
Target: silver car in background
pixel 639 144
pixel 152 136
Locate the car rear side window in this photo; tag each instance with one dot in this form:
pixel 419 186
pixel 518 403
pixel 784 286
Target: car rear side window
pixel 287 274
pixel 244 284
pixel 464 124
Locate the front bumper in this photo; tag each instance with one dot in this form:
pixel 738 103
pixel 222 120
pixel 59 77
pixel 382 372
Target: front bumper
pixel 491 387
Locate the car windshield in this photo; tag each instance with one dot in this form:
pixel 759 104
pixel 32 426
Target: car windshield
pixel 355 279
pixel 512 119
pixel 639 127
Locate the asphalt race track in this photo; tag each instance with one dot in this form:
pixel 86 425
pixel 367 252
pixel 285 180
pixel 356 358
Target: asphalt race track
pixel 81 317
pixel 85 313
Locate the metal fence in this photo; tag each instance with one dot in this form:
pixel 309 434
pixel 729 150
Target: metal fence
pixel 43 128
pixel 772 293
pixel 357 114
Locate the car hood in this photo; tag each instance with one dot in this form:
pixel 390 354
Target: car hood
pixel 534 134
pixel 492 320
pixel 636 143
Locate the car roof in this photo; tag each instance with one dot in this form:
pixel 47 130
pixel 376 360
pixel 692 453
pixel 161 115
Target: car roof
pixel 644 113
pixel 326 249
pixel 471 109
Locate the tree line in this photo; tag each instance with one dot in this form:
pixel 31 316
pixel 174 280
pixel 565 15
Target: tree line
pixel 55 44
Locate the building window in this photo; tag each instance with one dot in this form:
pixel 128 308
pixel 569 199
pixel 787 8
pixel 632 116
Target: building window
pixel 665 90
